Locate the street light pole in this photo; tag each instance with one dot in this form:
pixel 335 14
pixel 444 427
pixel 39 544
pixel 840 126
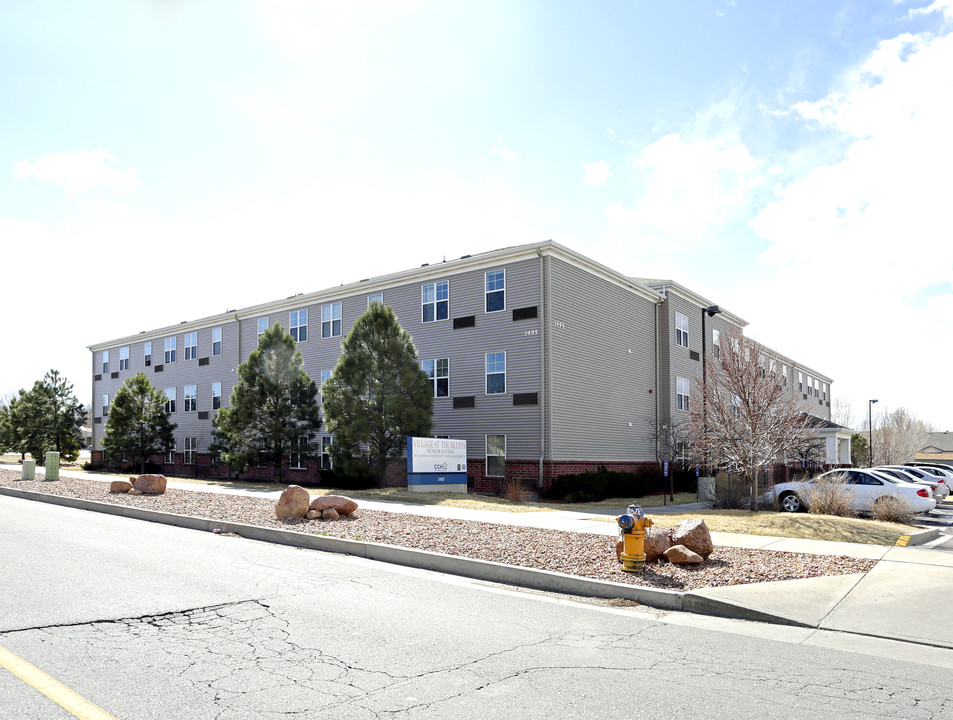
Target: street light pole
pixel 870 429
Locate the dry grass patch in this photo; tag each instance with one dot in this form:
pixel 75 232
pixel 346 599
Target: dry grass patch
pixel 812 527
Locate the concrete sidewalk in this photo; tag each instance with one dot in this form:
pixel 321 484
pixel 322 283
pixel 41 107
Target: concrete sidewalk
pixel 903 598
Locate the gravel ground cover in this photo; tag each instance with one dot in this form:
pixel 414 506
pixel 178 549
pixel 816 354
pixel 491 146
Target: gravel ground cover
pixel 581 554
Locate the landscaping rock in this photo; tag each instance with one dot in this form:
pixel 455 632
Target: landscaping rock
pixel 293 503
pixel 120 486
pixel 313 515
pixel 330 514
pixel 150 484
pixel 681 555
pixel 657 541
pixel 694 535
pixel 343 505
pixel 134 492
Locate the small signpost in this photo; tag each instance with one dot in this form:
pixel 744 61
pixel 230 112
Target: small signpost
pixel 436 465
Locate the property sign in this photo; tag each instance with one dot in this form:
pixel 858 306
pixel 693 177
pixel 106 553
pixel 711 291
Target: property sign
pixel 436 464
pixel 436 455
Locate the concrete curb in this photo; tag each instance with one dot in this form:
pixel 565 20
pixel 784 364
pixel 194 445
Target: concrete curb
pixel 420 559
pixel 921 538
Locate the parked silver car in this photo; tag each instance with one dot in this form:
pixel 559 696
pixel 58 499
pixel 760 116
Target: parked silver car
pixel 937 485
pixel 866 489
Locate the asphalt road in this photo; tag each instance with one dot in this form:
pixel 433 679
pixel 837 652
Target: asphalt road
pixel 149 621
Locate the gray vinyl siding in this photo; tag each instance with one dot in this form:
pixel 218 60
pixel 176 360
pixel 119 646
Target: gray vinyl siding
pixel 603 368
pixel 182 372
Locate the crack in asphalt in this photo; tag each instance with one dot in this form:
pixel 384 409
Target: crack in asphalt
pixel 240 660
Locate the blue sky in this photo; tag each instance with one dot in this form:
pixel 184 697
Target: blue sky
pixel 167 160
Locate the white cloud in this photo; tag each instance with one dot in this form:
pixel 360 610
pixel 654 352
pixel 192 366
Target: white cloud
pixel 695 187
pixel 595 173
pixel 500 150
pixel 79 172
pixel 855 240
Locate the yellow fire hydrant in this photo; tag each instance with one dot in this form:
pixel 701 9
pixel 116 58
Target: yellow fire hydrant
pixel 633 526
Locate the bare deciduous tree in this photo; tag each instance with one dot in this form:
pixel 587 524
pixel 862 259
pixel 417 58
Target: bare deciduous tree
pixel 898 434
pixel 742 414
pixel 842 413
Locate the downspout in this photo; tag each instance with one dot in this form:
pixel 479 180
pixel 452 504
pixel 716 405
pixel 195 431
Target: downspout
pixel 543 385
pixel 657 356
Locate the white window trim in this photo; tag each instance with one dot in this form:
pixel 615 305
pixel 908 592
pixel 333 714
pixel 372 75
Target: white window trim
pixel 262 321
pixel 330 309
pixel 190 402
pixel 681 335
pixel 124 357
pixel 170 398
pixel 487 373
pixel 190 451
pixel 378 297
pixel 191 349
pixel 298 459
pixel 217 331
pixel 169 356
pixel 487 293
pixel 436 377
pixel 716 343
pixel 105 359
pixel 487 456
pixel 679 403
pixel 435 302
pixel 292 327
pixel 218 396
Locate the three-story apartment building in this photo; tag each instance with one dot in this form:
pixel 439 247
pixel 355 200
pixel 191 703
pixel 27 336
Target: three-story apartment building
pixel 545 361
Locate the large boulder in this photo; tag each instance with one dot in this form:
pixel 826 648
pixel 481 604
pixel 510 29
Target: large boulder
pixel 694 535
pixel 293 503
pixel 681 555
pixel 343 505
pixel 120 486
pixel 150 484
pixel 657 541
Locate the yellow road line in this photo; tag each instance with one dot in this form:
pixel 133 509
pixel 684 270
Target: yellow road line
pixel 53 689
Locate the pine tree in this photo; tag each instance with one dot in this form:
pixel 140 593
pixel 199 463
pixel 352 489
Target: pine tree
pixel 138 426
pixel 46 417
pixel 377 396
pixel 274 406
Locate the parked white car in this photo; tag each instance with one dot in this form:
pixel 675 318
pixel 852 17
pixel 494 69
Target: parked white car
pixel 936 484
pixel 866 486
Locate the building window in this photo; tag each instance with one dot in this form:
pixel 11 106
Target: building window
pixel 326 461
pixel 681 329
pixel 189 393
pixel 331 320
pixel 495 290
pixel 105 405
pixel 435 299
pixel 298 458
pixel 170 350
pixel 824 392
pixel 784 374
pixel 216 395
pixel 170 455
pixel 105 361
pixel 298 322
pixel 439 373
pixel 124 358
pixel 495 373
pixel 216 341
pixel 716 343
pixel 736 406
pixel 496 455
pixel 262 326
pixel 170 400
pixel 190 448
pixel 379 298
pixel 147 352
pixel 191 345
pixel 800 382
pixel 681 393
